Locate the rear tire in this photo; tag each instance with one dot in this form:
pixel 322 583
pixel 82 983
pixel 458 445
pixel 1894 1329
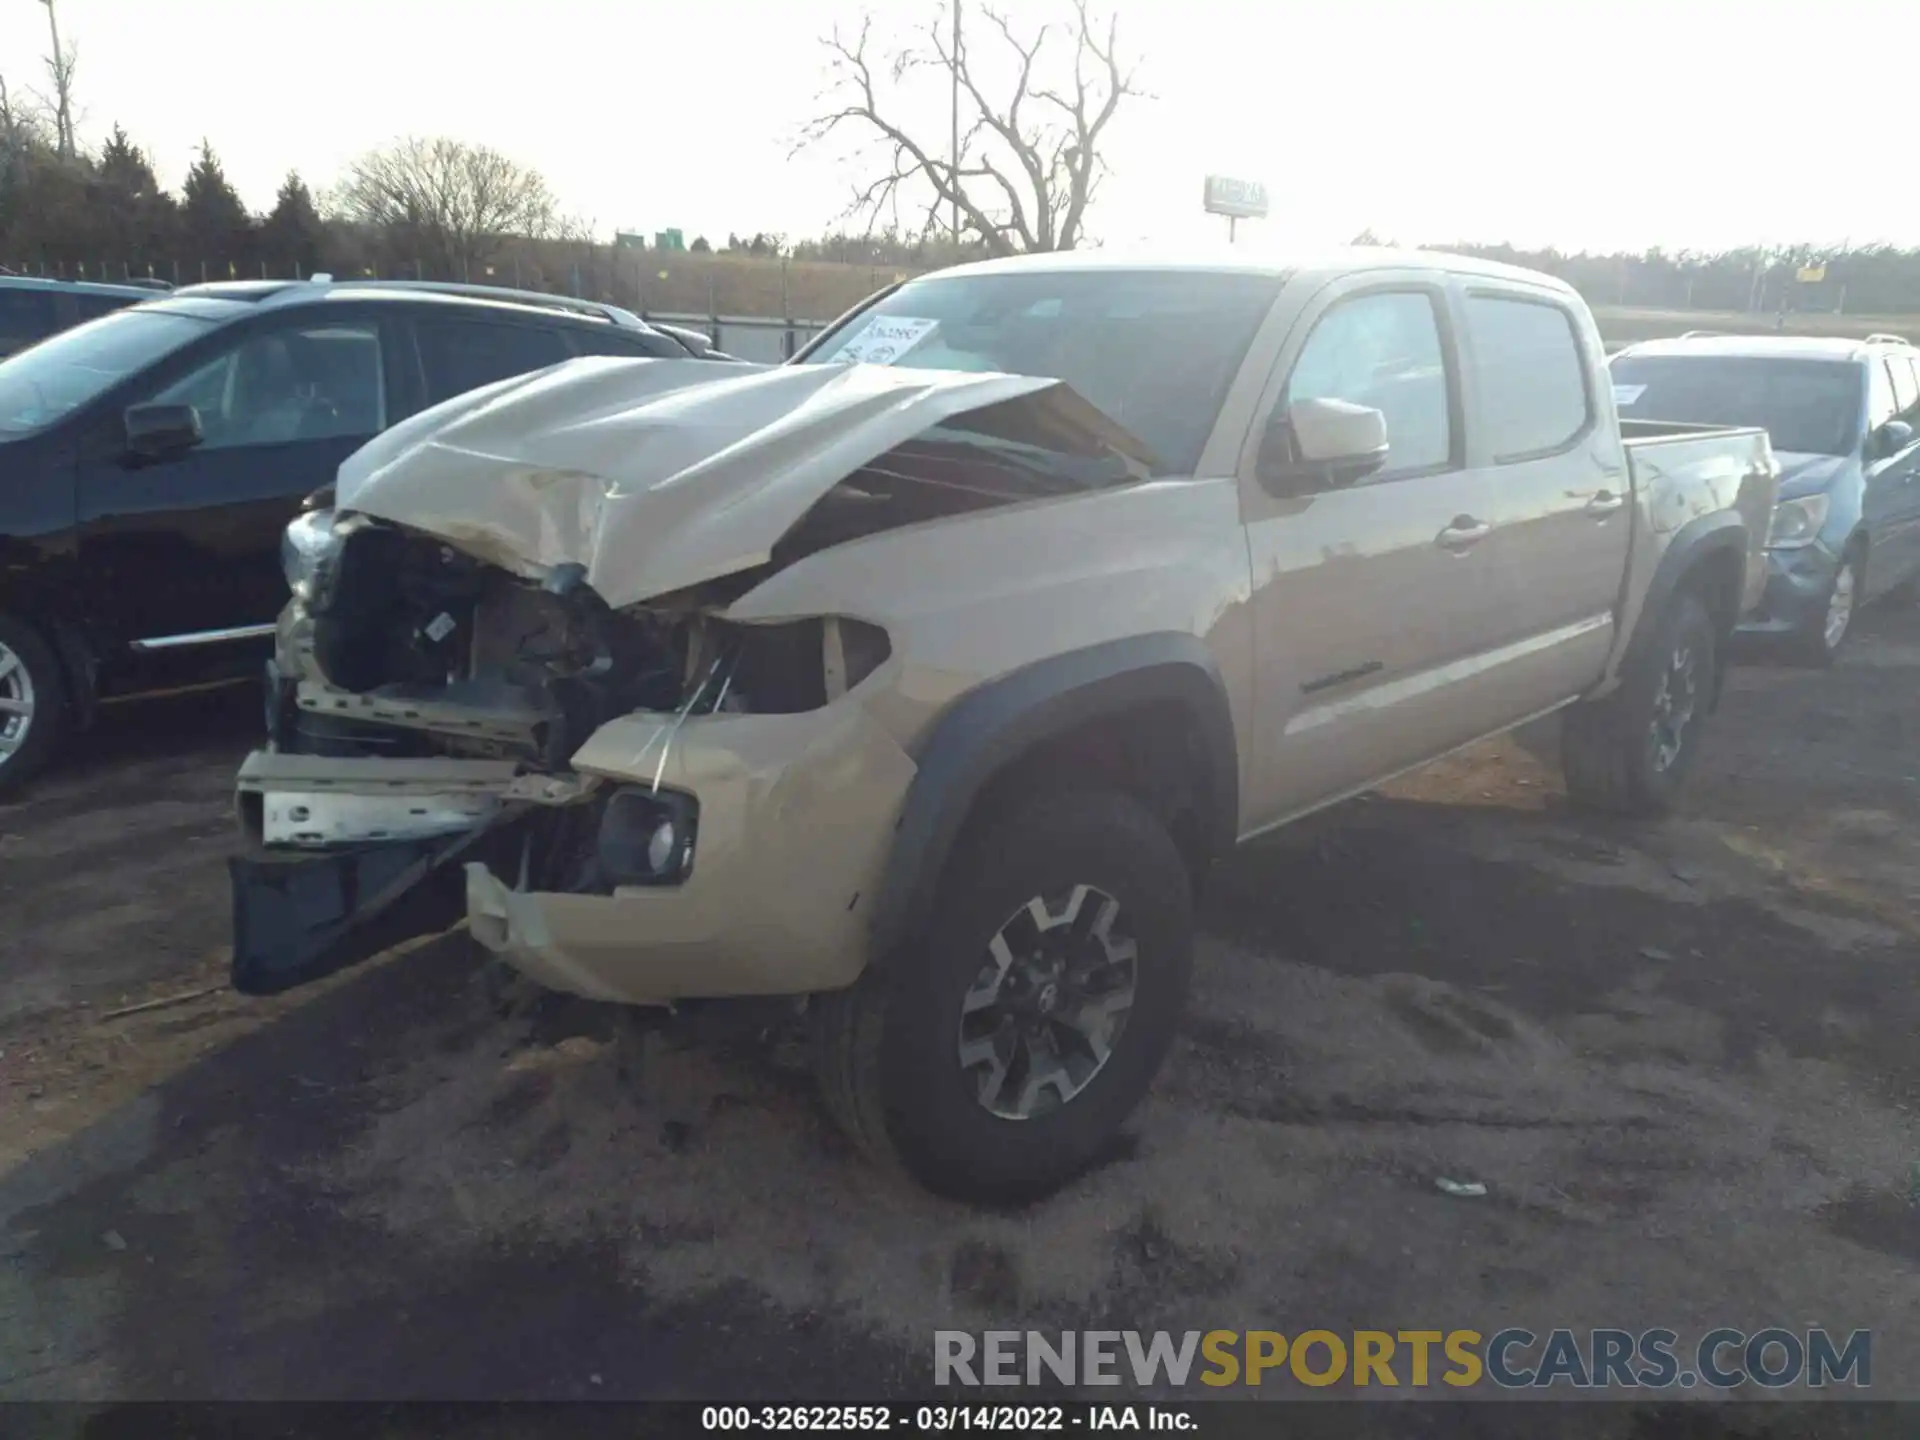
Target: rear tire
pixel 1630 753
pixel 33 703
pixel 929 1061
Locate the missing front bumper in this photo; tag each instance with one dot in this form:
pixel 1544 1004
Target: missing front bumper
pixel 355 856
pixel 300 918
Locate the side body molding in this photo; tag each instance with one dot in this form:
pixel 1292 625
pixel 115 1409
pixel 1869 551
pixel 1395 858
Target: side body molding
pixel 993 726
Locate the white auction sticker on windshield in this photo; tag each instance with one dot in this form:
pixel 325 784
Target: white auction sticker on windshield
pixel 1627 394
pixel 884 340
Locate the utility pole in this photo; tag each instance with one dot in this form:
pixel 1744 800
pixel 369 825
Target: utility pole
pixel 62 87
pixel 953 172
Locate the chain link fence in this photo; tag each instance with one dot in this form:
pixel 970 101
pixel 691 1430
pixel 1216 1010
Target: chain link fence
pixel 735 297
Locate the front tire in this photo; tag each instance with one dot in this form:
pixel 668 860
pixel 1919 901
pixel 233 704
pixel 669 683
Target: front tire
pixel 1630 753
pixel 1819 645
pixel 997 1054
pixel 33 703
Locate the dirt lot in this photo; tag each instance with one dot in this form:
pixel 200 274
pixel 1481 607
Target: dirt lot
pixel 1681 1058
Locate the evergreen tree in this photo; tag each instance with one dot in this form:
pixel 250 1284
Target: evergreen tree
pixel 217 228
pixel 139 220
pixel 292 237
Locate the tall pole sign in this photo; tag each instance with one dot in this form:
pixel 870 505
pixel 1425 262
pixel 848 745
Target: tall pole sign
pixel 1237 200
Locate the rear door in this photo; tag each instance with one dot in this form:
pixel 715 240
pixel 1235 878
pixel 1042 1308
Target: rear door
pixel 1557 493
pixel 1374 605
pixel 183 553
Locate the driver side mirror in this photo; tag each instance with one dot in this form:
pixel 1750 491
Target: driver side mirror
pixel 157 431
pixel 1315 445
pixel 1891 438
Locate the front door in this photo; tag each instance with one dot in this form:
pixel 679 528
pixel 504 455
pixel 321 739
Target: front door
pixel 1373 603
pixel 183 552
pixel 1891 504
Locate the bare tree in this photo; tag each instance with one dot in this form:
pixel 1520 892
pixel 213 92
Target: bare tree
pixel 61 65
pixel 451 202
pixel 1030 159
pixel 23 134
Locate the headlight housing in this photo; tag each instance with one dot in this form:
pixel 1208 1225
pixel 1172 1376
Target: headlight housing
pixel 1797 523
pixel 308 542
pixel 647 836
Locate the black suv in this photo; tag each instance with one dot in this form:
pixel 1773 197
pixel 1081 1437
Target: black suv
pixel 151 459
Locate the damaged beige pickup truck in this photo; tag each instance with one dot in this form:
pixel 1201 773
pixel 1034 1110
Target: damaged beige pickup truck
pixel 921 678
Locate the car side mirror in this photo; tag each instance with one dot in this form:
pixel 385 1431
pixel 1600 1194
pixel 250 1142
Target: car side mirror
pixel 157 431
pixel 1315 445
pixel 1892 437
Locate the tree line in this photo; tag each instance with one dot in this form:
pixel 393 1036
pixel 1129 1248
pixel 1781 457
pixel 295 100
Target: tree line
pixel 445 209
pixel 1029 165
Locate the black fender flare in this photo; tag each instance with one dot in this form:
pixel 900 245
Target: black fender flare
pixel 994 725
pixel 1693 544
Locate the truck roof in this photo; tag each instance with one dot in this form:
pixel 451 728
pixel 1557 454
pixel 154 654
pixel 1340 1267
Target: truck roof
pixel 1777 347
pixel 1343 260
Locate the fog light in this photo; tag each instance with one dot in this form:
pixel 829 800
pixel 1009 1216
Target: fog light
pixel 646 837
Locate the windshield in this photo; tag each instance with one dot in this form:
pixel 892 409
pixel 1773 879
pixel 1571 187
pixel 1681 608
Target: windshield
pixel 1154 349
pixel 1807 407
pixel 45 382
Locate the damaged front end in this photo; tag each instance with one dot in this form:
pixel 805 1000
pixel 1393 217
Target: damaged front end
pixel 531 708
pixel 426 718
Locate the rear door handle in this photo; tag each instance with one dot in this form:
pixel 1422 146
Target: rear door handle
pixel 1605 503
pixel 1463 534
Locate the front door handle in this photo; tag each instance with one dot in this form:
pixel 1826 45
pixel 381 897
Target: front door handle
pixel 1463 534
pixel 1605 503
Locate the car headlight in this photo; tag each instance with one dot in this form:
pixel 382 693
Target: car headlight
pixel 307 542
pixel 1797 523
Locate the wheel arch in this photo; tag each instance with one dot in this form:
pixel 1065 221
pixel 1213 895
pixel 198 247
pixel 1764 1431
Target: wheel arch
pixel 78 661
pixel 1706 559
pixel 1148 714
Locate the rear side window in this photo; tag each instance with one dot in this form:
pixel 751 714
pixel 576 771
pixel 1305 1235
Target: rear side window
pixel 92 307
pixel 462 355
pixel 1533 377
pixel 25 316
pixel 608 340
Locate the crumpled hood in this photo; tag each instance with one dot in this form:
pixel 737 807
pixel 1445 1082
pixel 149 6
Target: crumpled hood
pixel 655 474
pixel 1807 474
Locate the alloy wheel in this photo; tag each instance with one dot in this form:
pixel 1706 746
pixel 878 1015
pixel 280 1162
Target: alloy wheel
pixel 1840 607
pixel 1049 1003
pixel 1674 703
pixel 16 702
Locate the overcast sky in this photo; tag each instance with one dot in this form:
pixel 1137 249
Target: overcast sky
pixel 1683 123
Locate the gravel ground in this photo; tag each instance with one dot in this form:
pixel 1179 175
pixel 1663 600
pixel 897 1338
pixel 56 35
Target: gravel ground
pixel 1680 1057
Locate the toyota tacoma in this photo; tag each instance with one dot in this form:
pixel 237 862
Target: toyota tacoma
pixel 921 678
